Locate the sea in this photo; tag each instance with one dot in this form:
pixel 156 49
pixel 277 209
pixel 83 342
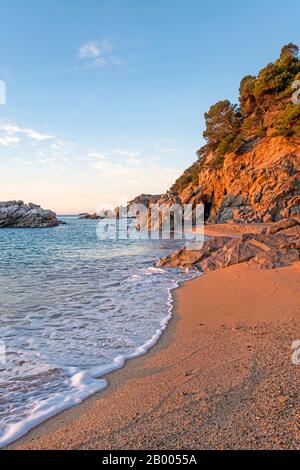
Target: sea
pixel 74 307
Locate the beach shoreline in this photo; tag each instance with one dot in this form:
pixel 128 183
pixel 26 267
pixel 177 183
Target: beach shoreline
pixel 220 376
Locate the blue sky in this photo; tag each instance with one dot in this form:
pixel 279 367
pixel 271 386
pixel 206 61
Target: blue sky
pixel 105 98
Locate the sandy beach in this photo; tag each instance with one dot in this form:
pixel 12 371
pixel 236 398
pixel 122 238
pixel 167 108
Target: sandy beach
pixel 149 229
pixel 221 377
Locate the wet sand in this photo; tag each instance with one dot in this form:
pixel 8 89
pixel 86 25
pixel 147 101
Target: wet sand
pixel 221 377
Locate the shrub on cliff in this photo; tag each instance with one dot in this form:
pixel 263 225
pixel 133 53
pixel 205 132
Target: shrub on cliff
pixel 247 98
pixel 228 125
pixel 290 50
pixel 288 122
pixel 264 104
pixel 223 124
pixel 190 175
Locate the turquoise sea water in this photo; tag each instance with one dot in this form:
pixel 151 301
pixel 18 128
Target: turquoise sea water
pixel 72 308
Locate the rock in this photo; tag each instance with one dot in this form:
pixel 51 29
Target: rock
pixel 257 197
pixel 142 200
pixel 16 214
pixel 281 225
pixel 151 219
pixel 234 252
pixel 275 259
pixel 230 205
pixel 267 218
pixel 91 216
pixel 185 258
pixel 292 243
pixel 263 250
pixel 182 258
pixel 187 195
pixel 260 185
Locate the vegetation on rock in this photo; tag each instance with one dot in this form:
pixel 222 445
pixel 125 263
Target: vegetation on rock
pixel 264 103
pixel 248 171
pixel 190 175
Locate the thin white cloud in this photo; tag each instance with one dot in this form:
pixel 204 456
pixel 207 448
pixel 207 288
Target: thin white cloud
pixel 130 157
pixel 50 152
pixel 89 51
pixel 58 145
pixel 163 149
pixel 23 161
pixel 95 54
pixel 94 155
pixel 102 165
pixel 9 141
pixel 114 156
pixel 129 167
pixel 12 130
pixel 126 153
pixel 32 134
pixel 144 176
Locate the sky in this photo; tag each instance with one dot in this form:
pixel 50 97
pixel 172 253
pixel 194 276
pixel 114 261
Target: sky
pixel 105 98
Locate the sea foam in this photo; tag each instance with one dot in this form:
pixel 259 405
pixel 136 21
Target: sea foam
pixel 79 311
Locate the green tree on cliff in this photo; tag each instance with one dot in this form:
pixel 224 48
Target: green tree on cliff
pixel 275 80
pixel 288 122
pixel 247 98
pixel 290 50
pixel 223 122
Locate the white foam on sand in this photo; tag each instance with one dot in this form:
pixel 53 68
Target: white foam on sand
pixel 84 383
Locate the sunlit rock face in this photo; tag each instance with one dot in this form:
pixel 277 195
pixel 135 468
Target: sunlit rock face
pixel 261 184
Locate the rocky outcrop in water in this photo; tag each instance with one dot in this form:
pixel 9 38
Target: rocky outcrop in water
pixel 94 216
pixel 145 200
pixel 278 246
pixel 150 219
pixel 16 214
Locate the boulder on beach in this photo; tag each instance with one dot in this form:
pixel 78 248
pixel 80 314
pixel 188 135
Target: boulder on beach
pixel 187 258
pixel 16 214
pixel 277 248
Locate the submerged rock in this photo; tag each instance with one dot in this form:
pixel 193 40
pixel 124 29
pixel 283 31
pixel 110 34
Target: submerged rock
pixel 16 214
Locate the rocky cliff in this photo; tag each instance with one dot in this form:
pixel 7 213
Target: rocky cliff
pixel 16 214
pixel 249 169
pixel 260 185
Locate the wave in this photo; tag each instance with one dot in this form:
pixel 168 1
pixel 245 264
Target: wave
pixel 85 383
